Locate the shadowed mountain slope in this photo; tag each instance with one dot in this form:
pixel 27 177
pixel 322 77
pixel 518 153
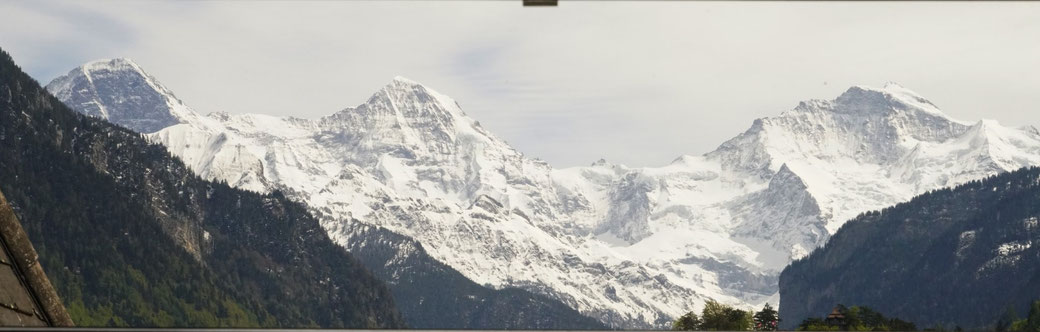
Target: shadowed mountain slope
pixel 955 257
pixel 131 237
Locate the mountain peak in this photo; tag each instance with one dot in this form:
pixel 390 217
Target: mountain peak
pixel 1030 129
pixel 865 99
pixel 786 175
pixel 401 85
pixel 406 85
pixel 119 91
pixel 114 64
pixel 412 120
pixel 405 80
pixel 407 93
pixel 890 97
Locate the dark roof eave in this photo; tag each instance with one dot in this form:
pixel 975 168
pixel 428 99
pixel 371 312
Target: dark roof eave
pixel 26 260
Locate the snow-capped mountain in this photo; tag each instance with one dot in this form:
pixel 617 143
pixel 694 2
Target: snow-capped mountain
pixel 119 91
pixel 633 247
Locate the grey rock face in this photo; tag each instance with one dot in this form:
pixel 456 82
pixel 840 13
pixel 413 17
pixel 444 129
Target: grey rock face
pixel 118 91
pixel 630 208
pixel 785 212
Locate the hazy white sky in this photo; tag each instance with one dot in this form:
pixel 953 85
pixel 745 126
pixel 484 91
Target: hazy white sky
pixel 637 83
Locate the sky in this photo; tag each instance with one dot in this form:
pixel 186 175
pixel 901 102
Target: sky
pixel 635 83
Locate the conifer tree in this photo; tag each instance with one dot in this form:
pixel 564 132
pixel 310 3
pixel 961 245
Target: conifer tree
pixel 1033 321
pixel 767 319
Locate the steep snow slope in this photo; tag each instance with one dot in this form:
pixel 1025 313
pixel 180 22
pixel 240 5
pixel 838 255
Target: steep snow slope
pixel 633 247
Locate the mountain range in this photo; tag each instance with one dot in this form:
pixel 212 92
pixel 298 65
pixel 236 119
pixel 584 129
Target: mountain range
pixel 427 293
pixel 629 247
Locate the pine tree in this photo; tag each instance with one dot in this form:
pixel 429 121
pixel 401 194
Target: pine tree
pixel 767 319
pixel 1033 321
pixel 1004 323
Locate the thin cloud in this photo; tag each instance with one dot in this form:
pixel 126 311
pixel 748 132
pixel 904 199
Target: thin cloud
pixel 638 83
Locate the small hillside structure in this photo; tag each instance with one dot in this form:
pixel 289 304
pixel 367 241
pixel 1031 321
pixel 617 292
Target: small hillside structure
pixel 837 318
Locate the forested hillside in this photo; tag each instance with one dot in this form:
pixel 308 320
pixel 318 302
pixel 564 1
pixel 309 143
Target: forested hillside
pixel 131 237
pixel 952 257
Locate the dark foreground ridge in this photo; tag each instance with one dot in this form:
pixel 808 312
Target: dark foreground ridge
pixel 26 295
pixel 954 257
pixel 129 236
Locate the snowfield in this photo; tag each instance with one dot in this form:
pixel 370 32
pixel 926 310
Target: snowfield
pixel 633 247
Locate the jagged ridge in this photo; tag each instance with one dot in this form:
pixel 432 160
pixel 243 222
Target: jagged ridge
pixel 633 247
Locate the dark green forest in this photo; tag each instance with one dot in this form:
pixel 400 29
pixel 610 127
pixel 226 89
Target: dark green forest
pixel 1009 321
pixel 951 257
pixel 130 237
pixel 855 318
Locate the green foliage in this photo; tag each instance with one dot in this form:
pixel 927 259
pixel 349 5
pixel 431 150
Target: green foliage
pixel 1018 326
pixel 716 316
pixel 130 237
pixel 815 324
pixel 720 317
pixel 896 324
pixel 688 322
pixel 767 319
pixel 857 318
pixel 1033 321
pixel 1009 321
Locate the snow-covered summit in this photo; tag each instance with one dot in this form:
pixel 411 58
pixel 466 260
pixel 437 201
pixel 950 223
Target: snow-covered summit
pixel 634 247
pixel 405 80
pixel 891 97
pixel 120 91
pixel 115 64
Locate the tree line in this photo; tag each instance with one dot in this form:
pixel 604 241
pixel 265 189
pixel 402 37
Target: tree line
pixel 855 318
pixel 934 259
pixel 720 317
pixel 716 316
pixel 1009 321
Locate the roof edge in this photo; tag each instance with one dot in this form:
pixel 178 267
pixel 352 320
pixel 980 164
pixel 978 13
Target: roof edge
pixel 26 260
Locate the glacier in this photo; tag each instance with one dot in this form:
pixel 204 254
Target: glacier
pixel 632 247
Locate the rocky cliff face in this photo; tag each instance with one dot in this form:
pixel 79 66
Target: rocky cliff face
pixel 632 247
pixel 119 91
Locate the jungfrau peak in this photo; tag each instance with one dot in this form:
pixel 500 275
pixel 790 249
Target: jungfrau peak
pixel 633 247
